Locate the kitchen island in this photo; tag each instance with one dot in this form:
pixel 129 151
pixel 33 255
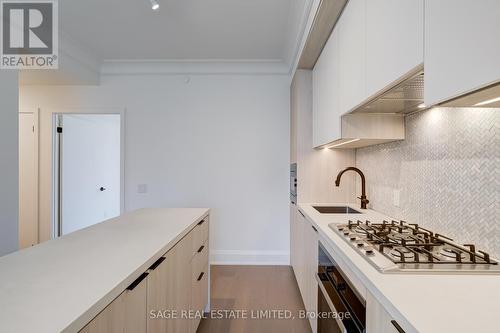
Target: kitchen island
pixel 64 285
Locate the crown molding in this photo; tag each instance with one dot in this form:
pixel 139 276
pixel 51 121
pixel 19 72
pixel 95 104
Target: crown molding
pixel 193 67
pixel 298 41
pixel 307 23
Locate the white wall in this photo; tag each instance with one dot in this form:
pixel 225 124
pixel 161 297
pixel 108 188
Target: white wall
pixel 218 141
pixel 9 162
pixel 77 66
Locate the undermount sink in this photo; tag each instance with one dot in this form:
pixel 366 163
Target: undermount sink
pixel 336 210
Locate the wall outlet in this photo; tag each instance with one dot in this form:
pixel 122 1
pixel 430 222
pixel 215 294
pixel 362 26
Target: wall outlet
pixel 142 188
pixel 396 197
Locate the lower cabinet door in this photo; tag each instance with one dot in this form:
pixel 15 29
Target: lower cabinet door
pixel 169 291
pixel 311 251
pixel 136 305
pixel 126 314
pixel 110 320
pixel 300 272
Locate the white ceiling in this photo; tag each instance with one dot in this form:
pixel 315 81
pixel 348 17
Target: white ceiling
pixel 183 29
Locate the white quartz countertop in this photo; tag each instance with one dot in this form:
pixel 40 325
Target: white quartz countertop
pixel 60 285
pixel 425 303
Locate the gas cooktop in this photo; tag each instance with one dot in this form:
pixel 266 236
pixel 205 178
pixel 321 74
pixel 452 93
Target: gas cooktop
pixel 398 246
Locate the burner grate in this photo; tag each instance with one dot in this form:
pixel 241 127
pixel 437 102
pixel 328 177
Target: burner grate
pixel 404 243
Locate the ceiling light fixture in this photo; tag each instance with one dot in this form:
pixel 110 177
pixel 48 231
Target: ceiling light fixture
pixel 489 101
pixel 154 5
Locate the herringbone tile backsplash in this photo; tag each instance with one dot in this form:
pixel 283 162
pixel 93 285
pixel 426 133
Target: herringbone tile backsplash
pixel 448 172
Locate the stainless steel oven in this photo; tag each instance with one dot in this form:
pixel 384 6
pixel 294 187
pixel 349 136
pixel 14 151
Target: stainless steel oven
pixel 340 308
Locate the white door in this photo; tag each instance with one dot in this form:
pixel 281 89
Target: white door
pixel 89 169
pixel 28 181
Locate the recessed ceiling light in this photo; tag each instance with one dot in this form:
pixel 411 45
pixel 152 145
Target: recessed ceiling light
pixel 489 101
pixel 155 5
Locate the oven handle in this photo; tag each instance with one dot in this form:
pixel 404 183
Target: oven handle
pixel 330 303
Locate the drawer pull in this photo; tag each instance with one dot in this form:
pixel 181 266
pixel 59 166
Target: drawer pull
pixel 396 325
pixel 201 248
pixel 157 263
pixel 137 282
pixel 302 214
pixel 201 222
pixel 314 228
pixel 201 276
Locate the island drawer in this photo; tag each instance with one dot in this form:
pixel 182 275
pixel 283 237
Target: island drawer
pixel 199 297
pixel 200 259
pixel 200 234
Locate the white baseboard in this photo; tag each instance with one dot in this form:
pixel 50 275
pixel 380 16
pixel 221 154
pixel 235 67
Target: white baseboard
pixel 236 257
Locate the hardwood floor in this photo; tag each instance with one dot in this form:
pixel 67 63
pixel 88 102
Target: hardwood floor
pixel 238 291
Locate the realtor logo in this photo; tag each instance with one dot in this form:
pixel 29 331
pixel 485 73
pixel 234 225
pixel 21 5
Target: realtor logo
pixel 29 37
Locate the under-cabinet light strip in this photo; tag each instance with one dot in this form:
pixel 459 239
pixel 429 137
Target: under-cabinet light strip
pixel 342 143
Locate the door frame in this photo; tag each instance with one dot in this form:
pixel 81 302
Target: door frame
pixel 36 122
pixel 54 179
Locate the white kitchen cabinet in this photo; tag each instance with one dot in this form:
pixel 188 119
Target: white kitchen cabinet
pixel 304 258
pixel 326 93
pixel 311 269
pixel 339 76
pixel 297 243
pixel 462 52
pixel 294 233
pixel 352 44
pixel 361 58
pixel 394 41
pixel 378 320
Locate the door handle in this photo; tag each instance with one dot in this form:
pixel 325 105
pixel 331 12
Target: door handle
pixel 102 189
pixel 137 282
pixel 201 248
pixel 201 276
pixel 396 325
pixel 156 263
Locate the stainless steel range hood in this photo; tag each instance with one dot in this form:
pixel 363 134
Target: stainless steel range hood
pixel 407 96
pixel 404 96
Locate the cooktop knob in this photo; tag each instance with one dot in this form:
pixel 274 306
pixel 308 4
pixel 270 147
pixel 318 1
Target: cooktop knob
pixel 360 244
pixel 369 250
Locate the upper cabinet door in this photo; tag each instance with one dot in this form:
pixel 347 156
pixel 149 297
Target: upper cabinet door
pixel 394 41
pixel 352 43
pixel 462 48
pixel 326 94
